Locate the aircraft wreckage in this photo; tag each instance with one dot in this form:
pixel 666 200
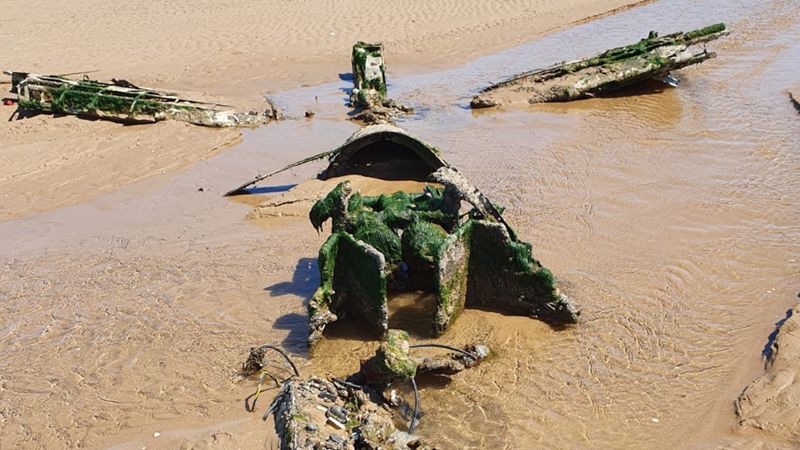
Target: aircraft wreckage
pixel 355 412
pixel 651 58
pixel 449 239
pixel 122 101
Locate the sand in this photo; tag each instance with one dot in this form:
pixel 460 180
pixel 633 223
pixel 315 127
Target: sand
pixel 769 403
pixel 794 96
pixel 669 216
pixel 235 52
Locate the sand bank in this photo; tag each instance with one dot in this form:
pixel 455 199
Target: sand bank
pixel 236 51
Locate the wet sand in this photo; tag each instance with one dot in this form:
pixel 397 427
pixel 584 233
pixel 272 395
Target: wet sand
pixel 231 53
pixel 670 216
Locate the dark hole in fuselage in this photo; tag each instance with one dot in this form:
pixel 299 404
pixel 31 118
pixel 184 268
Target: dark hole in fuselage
pixel 388 160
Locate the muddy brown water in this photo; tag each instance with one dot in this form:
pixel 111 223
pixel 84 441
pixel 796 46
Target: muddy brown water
pixel 671 216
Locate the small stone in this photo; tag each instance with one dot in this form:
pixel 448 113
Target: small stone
pixel 335 423
pixel 312 427
pixel 337 412
pixel 309 113
pixel 336 438
pixel 156 434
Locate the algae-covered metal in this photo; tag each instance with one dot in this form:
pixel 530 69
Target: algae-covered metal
pixel 651 58
pixel 123 101
pixel 369 96
pixel 424 239
pixel 369 70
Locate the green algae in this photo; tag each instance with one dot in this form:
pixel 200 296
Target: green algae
pixel 616 55
pixel 326 262
pixel 391 362
pixel 332 207
pixel 376 220
pixel 703 32
pixel 378 240
pixel 87 97
pixel 375 232
pixel 395 355
pixel 421 243
pixel 363 78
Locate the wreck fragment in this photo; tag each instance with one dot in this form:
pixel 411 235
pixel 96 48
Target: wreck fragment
pixel 331 413
pixel 323 413
pixel 651 58
pixel 381 151
pixel 369 96
pixel 384 151
pixel 390 363
pixel 123 101
pixel 392 241
pixel 369 72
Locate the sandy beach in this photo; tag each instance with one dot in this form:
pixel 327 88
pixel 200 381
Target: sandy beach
pixel 233 53
pixel 131 290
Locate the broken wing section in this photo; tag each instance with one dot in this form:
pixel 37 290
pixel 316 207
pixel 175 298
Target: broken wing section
pixel 481 266
pixel 452 273
pixel 504 276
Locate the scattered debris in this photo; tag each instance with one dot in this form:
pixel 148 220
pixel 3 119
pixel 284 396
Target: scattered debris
pixel 651 58
pixel 369 96
pixel 384 111
pixel 257 360
pixel 309 114
pixel 123 101
pixel 770 402
pixel 356 413
pixel 325 413
pixel 460 360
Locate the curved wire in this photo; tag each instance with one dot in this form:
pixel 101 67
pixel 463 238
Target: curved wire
pixel 416 407
pixel 285 356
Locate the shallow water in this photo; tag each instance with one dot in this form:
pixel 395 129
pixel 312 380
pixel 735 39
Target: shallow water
pixel 670 216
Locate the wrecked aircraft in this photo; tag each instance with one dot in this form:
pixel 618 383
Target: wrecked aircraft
pixel 124 102
pixel 651 58
pixel 469 259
